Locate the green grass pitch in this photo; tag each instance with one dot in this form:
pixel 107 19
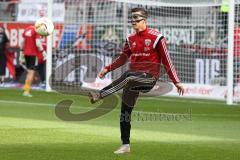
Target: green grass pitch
pixel 30 130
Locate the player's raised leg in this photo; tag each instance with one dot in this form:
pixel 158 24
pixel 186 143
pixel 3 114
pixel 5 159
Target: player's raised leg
pixel 120 83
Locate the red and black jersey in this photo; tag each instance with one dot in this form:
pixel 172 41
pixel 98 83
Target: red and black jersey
pixel 146 51
pixel 30 36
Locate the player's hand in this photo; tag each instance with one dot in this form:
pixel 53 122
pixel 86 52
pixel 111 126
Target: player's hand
pixel 21 58
pixel 44 55
pixel 180 88
pixel 102 74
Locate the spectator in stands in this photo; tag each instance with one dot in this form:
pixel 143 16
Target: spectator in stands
pixel 3 44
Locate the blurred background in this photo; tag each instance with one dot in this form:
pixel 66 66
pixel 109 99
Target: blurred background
pixel 87 31
pixel 203 39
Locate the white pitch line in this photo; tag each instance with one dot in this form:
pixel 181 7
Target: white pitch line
pixel 38 104
pixel 181 101
pixel 146 98
pixel 117 110
pixel 27 103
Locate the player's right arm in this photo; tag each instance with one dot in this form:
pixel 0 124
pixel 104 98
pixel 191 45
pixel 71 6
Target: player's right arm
pixel 118 62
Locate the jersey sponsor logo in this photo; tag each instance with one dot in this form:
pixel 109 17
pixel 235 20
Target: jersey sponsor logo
pixel 140 54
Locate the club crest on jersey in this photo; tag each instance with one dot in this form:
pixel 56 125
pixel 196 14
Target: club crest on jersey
pixel 147 42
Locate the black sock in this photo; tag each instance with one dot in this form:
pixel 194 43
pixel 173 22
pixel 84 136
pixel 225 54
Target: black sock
pixel 125 123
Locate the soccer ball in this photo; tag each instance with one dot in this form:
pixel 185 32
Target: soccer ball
pixel 44 26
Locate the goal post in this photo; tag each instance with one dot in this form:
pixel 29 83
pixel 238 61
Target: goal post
pixel 201 40
pixel 49 49
pixel 230 76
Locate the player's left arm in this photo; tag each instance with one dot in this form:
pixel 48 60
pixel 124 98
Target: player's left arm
pixel 168 65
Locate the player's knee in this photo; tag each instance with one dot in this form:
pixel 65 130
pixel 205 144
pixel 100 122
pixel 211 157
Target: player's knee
pixel 130 80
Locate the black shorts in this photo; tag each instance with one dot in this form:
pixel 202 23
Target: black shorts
pixel 2 64
pixel 31 62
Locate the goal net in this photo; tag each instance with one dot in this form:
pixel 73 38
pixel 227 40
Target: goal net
pixel 93 32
